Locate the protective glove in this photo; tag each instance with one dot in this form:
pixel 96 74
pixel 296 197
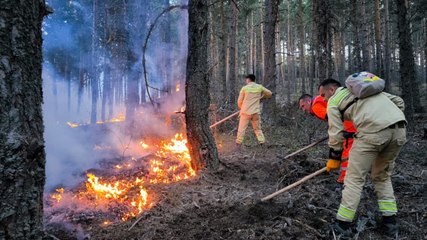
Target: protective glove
pixel 334 160
pixel 332 164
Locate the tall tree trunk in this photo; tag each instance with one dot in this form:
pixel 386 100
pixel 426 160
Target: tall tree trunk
pixel 301 45
pixel 290 50
pixel 425 50
pixel 322 18
pixel 22 164
pixel 250 43
pixel 364 37
pixel 378 66
pixel 201 143
pixel 271 14
pixel 94 75
pixel 67 79
pixel 356 22
pixel 232 51
pixel 313 57
pixel 406 59
pixel 350 57
pixel 387 75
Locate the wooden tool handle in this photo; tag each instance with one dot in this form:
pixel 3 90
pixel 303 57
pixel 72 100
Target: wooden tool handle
pixel 294 184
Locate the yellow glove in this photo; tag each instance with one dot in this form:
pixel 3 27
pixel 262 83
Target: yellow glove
pixel 332 164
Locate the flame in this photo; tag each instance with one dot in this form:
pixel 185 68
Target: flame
pixel 72 125
pixel 58 195
pixel 143 145
pixel 177 87
pixel 119 118
pixel 171 163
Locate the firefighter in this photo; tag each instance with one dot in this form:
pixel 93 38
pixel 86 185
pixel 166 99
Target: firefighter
pixel 317 107
pixel 249 105
pixel 380 123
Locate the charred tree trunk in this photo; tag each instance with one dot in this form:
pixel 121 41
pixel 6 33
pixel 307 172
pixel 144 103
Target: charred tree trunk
pixel 22 155
pixel 201 143
pixel 406 59
pixel 271 14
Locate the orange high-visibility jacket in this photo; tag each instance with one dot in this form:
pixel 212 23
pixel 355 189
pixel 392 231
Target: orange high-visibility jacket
pixel 318 109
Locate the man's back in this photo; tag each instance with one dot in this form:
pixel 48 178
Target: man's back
pixel 250 96
pixel 370 114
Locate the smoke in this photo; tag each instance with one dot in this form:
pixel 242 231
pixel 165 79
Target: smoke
pixel 67 72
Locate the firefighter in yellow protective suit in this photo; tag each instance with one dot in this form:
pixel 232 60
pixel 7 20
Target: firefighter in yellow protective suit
pixel 381 133
pixel 249 105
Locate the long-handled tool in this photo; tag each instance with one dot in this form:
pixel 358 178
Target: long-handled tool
pixel 224 119
pixel 304 148
pixel 294 184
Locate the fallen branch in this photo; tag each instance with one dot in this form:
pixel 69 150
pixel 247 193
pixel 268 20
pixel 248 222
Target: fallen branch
pixel 303 149
pixel 304 179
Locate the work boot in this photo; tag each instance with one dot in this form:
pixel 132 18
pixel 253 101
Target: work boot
pixel 343 229
pixel 390 226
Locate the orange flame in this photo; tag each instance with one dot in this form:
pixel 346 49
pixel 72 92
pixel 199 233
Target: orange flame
pixel 58 195
pixel 171 164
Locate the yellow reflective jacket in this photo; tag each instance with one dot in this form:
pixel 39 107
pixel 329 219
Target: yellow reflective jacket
pixel 250 96
pixel 369 115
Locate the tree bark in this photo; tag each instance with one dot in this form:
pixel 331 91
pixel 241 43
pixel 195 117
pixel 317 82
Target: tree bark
pixel 322 19
pixel 355 21
pixel 425 50
pixel 364 38
pixel 301 45
pixel 22 155
pixel 290 50
pixel 271 14
pixel 387 76
pixel 407 64
pixel 378 45
pixel 223 39
pixel 201 143
pixel 232 51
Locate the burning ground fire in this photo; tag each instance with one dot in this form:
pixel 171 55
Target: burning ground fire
pixel 119 118
pixel 128 196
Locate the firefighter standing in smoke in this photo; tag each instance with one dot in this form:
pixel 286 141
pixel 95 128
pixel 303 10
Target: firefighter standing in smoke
pixel 317 107
pixel 380 123
pixel 250 109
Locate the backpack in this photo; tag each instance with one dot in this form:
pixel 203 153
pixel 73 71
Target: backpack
pixel 362 85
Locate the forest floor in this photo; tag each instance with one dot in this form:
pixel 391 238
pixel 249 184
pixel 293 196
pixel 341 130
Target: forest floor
pixel 226 204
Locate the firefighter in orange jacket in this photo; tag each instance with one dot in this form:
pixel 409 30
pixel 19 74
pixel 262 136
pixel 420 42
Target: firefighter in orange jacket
pixel 316 106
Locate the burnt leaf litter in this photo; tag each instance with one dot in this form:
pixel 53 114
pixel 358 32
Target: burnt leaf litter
pixel 226 204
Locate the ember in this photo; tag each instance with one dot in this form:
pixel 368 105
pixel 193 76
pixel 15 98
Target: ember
pixel 133 195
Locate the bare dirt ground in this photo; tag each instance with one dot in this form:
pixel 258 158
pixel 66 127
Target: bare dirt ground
pixel 225 204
